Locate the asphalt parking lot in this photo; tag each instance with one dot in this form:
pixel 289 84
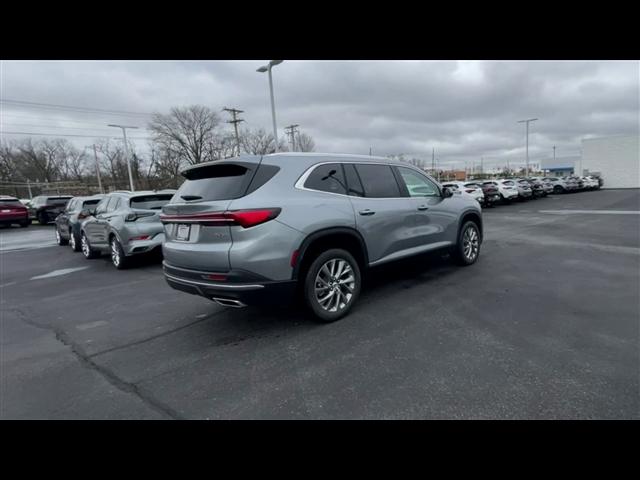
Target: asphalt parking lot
pixel 545 325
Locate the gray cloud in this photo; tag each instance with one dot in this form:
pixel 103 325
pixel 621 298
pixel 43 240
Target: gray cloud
pixel 464 110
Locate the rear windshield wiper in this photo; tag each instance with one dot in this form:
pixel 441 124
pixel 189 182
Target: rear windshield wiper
pixel 191 197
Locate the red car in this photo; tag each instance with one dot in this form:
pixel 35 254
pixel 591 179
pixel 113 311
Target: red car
pixel 13 211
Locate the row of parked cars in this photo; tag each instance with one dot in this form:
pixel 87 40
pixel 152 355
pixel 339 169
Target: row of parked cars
pixel 255 229
pixel 490 192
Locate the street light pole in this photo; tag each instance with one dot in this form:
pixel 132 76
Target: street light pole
pixel 126 151
pixel 267 68
pixel 527 121
pixel 95 155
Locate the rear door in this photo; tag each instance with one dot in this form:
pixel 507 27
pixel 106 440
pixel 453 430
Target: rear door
pixel 383 212
pixel 196 237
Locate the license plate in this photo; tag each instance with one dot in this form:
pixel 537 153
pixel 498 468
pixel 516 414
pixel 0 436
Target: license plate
pixel 183 233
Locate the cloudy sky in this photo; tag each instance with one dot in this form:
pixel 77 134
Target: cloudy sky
pixel 465 110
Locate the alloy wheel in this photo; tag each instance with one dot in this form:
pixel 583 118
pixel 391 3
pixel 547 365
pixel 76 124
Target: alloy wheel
pixel 72 241
pixel 334 285
pixel 84 244
pixel 58 239
pixel 115 253
pixel 470 243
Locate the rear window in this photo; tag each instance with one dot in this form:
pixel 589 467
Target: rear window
pixel 150 202
pixel 508 182
pixel 378 181
pixel 327 178
pixel 12 202
pixel 58 200
pixel 223 181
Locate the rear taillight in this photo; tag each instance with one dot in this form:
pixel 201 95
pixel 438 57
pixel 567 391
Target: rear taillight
pixel 244 218
pixel 132 217
pixel 141 237
pixel 469 190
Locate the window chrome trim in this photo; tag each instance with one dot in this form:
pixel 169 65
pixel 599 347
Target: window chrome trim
pixel 299 185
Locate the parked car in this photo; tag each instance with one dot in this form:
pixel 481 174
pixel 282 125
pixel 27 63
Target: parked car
pixel 491 193
pixel 524 189
pixel 571 184
pixel 13 212
pixel 537 187
pixel 558 184
pixel 590 183
pixel 466 188
pixel 547 186
pixel 124 224
pixel 46 208
pixel 69 221
pixel 507 189
pixel 258 229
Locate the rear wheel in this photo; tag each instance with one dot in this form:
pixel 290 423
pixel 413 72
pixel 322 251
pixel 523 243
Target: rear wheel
pixel 557 189
pixel 332 285
pixel 118 258
pixel 25 223
pixel 467 250
pixel 74 242
pixel 42 219
pixel 87 251
pixel 59 239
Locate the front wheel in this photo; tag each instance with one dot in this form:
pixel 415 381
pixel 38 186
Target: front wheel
pixel 42 219
pixel 332 285
pixel 25 223
pixel 74 243
pixel 118 258
pixel 467 250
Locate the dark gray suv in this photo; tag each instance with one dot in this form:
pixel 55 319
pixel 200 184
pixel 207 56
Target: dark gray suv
pixel 254 228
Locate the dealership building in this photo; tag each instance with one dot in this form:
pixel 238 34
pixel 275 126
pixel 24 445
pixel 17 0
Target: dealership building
pixel 616 159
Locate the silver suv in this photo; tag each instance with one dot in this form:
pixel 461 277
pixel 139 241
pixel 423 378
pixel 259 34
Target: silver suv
pixel 253 229
pixel 124 224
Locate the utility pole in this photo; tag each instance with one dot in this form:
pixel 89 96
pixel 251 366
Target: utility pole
pixel 554 155
pixel 95 155
pixel 433 160
pixel 234 113
pixel 29 188
pixel 291 132
pixel 527 122
pixel 126 150
pixel 481 165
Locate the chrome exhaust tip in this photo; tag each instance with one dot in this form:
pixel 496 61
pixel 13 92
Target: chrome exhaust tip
pixel 228 302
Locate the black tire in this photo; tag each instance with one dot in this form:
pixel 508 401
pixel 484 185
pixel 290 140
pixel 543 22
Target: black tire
pixel 461 254
pixel 118 258
pixel 557 189
pixel 74 242
pixel 42 219
pixel 325 314
pixel 25 223
pixel 60 240
pixel 88 252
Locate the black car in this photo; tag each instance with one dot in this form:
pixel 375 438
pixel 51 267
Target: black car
pixel 46 208
pixel 68 222
pixel 491 193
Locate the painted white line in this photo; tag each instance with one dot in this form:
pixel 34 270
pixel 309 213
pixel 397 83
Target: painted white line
pixel 57 273
pixel 588 212
pixel 87 326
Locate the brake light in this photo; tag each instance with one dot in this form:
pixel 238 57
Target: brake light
pixel 141 237
pixel 132 217
pixel 294 257
pixel 218 277
pixel 470 190
pixel 244 218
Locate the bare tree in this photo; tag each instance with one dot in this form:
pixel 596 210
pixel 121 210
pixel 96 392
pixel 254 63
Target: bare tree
pixel 259 142
pixel 187 132
pixel 305 143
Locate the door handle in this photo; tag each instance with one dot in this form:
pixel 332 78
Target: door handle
pixel 366 212
pixel 423 207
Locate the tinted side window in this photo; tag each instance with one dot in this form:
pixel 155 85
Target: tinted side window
pixel 378 181
pixel 327 178
pixel 90 203
pixel 354 186
pixel 113 204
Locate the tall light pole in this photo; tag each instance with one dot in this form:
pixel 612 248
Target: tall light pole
pixel 527 121
pixel 267 68
pixel 126 151
pixel 95 155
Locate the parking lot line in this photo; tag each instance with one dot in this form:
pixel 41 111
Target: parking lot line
pixel 597 212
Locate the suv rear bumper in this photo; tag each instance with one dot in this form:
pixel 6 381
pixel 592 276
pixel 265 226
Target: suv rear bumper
pixel 238 293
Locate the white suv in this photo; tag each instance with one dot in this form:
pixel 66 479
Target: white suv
pixel 467 188
pixel 507 188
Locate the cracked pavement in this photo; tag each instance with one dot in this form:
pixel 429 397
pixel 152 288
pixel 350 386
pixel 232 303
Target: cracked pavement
pixel 545 325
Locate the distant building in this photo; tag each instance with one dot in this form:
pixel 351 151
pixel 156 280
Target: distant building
pixel 561 166
pixel 616 159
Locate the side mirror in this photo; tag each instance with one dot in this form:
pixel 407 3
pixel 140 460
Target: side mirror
pixel 446 192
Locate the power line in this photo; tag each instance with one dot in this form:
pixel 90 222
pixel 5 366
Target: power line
pixel 40 117
pixel 50 126
pixel 234 113
pixel 54 106
pixel 70 135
